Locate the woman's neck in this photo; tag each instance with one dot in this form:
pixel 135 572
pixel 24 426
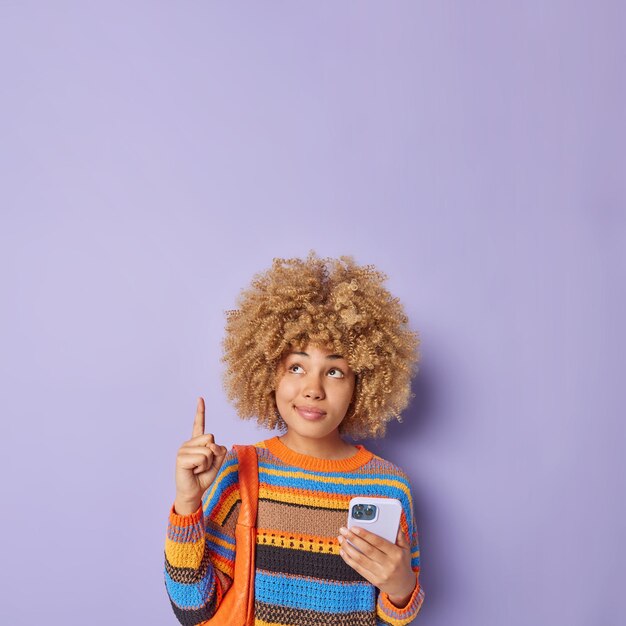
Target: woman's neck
pixel 330 448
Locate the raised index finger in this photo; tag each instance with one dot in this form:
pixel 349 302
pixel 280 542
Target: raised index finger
pixel 198 422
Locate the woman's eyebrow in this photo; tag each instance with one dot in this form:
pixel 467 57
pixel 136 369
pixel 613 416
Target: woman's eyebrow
pixel 330 356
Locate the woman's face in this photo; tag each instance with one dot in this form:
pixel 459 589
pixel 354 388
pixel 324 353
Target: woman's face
pixel 314 392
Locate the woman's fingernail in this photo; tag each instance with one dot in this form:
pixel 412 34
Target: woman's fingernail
pixel 343 531
pixel 340 539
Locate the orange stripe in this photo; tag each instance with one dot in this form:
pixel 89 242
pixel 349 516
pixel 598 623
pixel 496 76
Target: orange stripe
pixel 223 564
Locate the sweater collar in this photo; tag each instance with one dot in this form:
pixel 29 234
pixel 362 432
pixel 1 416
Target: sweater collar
pixel 304 461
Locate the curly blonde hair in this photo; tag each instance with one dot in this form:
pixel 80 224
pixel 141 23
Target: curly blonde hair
pixel 332 303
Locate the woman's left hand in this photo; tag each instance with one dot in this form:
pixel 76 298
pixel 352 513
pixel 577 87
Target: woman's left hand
pixel 386 565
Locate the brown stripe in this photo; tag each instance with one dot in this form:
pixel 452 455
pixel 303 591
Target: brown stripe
pixel 300 519
pixel 287 616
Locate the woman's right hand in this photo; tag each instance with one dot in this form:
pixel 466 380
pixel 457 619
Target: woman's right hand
pixel 197 464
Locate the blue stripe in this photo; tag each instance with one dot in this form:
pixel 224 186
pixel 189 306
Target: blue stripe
pixel 301 593
pixel 213 532
pixel 318 485
pixel 353 474
pixel 191 596
pixel 221 550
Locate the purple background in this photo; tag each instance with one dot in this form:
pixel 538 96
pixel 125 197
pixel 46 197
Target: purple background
pixel 155 155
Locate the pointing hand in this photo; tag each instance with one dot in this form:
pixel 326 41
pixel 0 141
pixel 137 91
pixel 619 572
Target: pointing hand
pixel 197 464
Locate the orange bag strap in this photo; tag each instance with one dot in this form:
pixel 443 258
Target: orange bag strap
pixel 248 484
pixel 237 605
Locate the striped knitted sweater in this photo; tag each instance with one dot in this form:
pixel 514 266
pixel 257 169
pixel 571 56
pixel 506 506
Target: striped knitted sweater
pixel 301 579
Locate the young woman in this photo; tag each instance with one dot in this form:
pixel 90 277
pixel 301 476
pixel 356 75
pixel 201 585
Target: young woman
pixel 319 349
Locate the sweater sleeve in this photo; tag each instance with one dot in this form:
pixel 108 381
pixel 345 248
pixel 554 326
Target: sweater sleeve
pixel 386 611
pixel 200 548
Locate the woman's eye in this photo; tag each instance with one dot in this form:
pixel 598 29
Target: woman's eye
pixel 339 372
pixel 295 365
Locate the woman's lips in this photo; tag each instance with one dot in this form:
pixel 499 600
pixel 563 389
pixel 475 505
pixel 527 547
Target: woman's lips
pixel 310 414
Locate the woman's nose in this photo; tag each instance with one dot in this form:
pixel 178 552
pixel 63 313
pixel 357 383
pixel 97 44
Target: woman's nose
pixel 313 389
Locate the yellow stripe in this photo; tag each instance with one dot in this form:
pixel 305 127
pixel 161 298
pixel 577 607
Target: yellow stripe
pixel 184 554
pixel 398 622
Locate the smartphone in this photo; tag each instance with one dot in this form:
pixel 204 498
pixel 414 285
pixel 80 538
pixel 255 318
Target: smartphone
pixel 377 514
